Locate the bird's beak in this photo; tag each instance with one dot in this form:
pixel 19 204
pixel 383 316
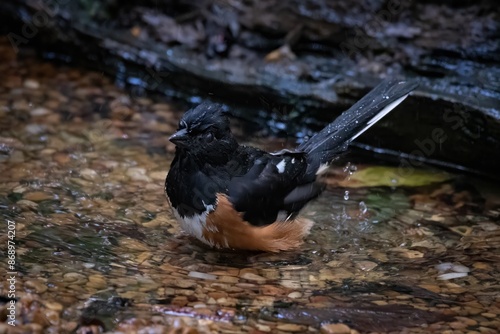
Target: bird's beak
pixel 180 138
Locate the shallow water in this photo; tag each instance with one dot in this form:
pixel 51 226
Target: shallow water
pixel 82 171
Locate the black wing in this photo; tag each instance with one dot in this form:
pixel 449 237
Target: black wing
pixel 272 188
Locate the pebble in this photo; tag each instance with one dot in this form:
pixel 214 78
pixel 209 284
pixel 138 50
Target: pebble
pixel 205 276
pixel 291 284
pixel 26 204
pixel 89 174
pixel 263 328
pixel 97 281
pixel 37 196
pixel 183 283
pixel 61 158
pixel 253 277
pixel 40 112
pixel 31 84
pixel 158 176
pixel 229 279
pixel 295 295
pixel 335 329
pixel 481 266
pixel 138 174
pixel 449 276
pixel 74 277
pixel 39 287
pixel 55 306
pixel 293 328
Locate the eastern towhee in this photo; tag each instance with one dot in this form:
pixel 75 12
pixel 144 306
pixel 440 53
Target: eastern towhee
pixel 233 196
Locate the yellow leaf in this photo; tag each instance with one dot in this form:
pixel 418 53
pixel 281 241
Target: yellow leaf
pixel 379 176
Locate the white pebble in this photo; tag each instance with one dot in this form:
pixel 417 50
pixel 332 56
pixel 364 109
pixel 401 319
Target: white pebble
pixel 460 268
pixel 449 276
pixel 40 111
pixel 138 174
pixel 197 274
pixel 442 267
pixel 32 84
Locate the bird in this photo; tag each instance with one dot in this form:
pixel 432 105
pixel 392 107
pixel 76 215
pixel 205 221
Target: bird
pixel 241 197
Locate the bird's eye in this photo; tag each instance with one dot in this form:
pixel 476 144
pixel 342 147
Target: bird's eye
pixel 182 124
pixel 208 137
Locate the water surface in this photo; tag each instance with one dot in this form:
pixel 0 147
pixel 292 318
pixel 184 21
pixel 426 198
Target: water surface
pixel 81 176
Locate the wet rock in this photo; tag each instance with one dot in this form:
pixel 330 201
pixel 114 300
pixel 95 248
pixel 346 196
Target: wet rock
pixel 204 276
pixel 74 277
pixel 40 112
pixel 38 196
pixel 25 204
pixel 335 329
pixel 295 295
pixel 31 84
pixel 89 174
pixel 55 306
pixel 97 282
pixel 292 328
pixel 263 328
pixel 36 285
pixel 158 176
pixel 253 277
pixel 138 174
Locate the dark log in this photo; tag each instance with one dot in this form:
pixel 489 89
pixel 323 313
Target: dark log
pixel 302 61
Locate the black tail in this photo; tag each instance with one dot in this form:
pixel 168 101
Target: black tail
pixel 323 147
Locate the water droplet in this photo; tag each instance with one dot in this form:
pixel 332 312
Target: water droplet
pixel 346 195
pixel 362 207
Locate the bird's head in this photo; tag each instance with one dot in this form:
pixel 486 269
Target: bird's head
pixel 204 133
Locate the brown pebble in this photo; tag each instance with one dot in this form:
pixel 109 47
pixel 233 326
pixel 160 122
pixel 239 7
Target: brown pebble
pixel 97 281
pixel 25 204
pixel 73 277
pixel 263 328
pixel 38 196
pixel 180 301
pixel 457 325
pixel 253 277
pixel 36 285
pixel 335 329
pixel 294 328
pixel 55 306
pixel 467 321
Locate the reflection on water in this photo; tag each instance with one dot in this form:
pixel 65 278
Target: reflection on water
pixel 82 172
